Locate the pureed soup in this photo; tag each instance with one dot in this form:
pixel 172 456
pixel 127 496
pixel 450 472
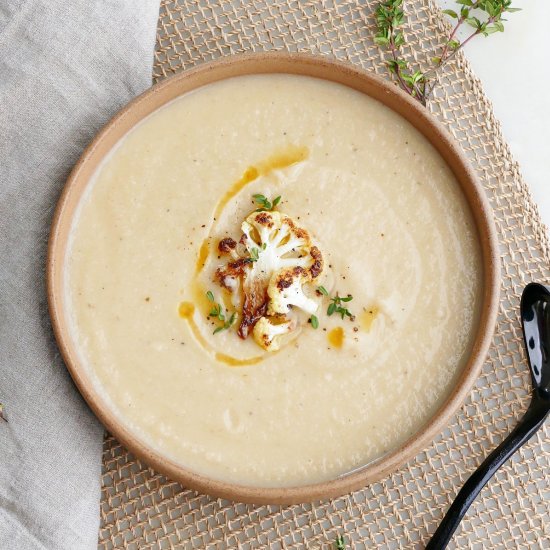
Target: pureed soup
pixel 274 280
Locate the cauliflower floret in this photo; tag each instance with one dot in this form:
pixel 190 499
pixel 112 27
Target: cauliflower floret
pixel 268 334
pixel 277 243
pixel 285 289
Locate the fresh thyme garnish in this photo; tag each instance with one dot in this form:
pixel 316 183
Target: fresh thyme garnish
pixel 254 255
pixel 314 321
pixel 340 543
pixel 322 290
pixel 217 312
pixel 266 204
pixel 227 324
pixel 390 17
pixel 336 306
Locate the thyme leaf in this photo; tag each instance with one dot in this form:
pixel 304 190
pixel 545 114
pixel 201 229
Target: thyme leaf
pixel 254 255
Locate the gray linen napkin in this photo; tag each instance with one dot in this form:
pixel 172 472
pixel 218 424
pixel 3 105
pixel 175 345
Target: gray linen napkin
pixel 65 69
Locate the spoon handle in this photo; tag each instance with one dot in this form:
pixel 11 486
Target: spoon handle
pixel 528 425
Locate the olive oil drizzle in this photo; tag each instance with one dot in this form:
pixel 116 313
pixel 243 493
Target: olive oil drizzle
pixel 336 337
pixel 290 156
pixel 234 362
pixel 186 311
pixel 204 252
pixel 367 317
pixel 249 175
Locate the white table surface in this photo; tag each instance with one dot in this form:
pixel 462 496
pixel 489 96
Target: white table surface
pixel 515 70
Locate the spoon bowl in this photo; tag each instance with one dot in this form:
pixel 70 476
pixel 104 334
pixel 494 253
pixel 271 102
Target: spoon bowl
pixel 535 318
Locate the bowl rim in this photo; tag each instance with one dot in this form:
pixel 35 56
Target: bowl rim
pixel 267 63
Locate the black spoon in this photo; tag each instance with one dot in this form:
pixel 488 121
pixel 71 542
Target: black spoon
pixel 535 318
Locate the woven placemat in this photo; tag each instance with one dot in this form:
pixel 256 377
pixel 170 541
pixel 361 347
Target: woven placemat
pixel 142 509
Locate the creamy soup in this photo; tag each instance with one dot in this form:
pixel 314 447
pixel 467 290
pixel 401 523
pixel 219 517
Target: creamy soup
pixel 162 337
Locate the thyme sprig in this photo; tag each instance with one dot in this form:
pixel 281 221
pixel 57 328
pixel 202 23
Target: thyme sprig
pixel 336 302
pixel 218 312
pixel 336 306
pixel 485 16
pixel 490 23
pixel 264 203
pixel 389 17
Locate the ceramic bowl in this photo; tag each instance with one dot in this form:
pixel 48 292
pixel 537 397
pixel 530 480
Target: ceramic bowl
pixel 323 68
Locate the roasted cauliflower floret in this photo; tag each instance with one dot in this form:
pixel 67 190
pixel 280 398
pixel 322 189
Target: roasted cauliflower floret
pixel 277 243
pixel 267 334
pixel 286 288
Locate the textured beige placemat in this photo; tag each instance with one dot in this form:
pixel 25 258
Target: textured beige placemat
pixel 141 509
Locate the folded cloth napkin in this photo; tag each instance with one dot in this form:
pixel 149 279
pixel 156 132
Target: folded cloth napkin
pixel 65 69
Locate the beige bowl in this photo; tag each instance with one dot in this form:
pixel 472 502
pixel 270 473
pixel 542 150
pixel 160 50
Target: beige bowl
pixel 169 89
